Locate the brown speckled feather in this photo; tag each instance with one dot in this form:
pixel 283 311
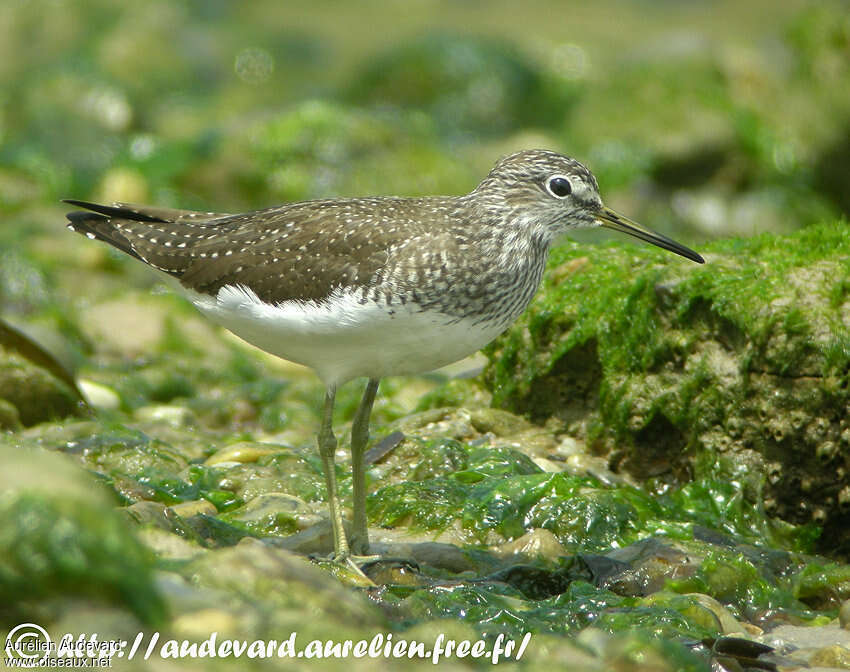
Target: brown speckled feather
pixel 298 251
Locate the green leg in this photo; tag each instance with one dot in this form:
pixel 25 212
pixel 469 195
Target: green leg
pixel 359 439
pixel 327 449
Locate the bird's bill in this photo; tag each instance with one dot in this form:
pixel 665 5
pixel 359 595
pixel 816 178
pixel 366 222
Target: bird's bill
pixel 613 220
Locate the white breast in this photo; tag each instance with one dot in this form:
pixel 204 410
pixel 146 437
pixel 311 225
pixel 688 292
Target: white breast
pixel 341 338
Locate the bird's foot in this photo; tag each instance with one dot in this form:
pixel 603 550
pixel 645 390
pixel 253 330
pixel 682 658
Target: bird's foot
pixel 347 567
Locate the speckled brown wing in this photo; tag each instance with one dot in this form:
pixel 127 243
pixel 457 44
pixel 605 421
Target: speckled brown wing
pixel 300 251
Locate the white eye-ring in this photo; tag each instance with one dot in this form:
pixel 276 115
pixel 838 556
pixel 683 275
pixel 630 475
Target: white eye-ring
pixel 559 186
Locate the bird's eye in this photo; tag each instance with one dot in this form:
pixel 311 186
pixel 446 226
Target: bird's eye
pixel 559 186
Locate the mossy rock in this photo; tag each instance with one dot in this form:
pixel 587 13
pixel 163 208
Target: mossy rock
pixel 63 540
pixel 736 369
pixel 37 396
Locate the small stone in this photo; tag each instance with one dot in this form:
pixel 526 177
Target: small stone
pixel 193 508
pixel 315 539
pixel 275 513
pixel 99 396
pixel 177 416
pixel 269 502
pixel 538 543
pixel 498 422
pixel 241 452
pixel 146 512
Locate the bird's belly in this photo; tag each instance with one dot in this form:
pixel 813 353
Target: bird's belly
pixel 343 339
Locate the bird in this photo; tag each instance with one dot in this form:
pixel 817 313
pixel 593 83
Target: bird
pixel 370 287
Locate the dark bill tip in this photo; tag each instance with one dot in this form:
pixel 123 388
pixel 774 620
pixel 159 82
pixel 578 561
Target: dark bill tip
pixel 613 220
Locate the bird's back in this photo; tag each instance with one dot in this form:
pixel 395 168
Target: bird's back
pixel 300 251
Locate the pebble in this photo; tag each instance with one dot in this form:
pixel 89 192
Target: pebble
pixel 99 396
pixel 241 452
pixel 176 416
pixel 538 543
pixel 193 508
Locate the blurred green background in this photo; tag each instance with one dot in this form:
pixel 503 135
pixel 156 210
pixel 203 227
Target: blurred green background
pixel 709 117
pixel 701 119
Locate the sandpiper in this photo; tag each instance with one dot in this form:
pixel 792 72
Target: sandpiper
pixel 370 287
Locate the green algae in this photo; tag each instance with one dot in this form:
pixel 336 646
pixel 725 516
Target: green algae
pixel 501 608
pixel 501 491
pixel 822 586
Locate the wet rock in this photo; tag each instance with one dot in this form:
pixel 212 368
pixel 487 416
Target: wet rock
pixel 35 395
pixel 417 459
pixel 802 637
pixel 649 564
pixel 147 513
pixel 317 539
pixel 726 622
pixel 193 508
pixel 824 647
pixel 497 421
pixel 242 452
pixel 444 422
pixel 289 583
pixel 154 515
pixel 285 471
pixel 423 552
pixel 273 513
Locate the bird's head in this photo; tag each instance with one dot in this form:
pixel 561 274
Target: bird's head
pixel 554 194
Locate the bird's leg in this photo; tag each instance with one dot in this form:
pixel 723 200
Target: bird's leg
pixel 327 449
pixel 359 439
